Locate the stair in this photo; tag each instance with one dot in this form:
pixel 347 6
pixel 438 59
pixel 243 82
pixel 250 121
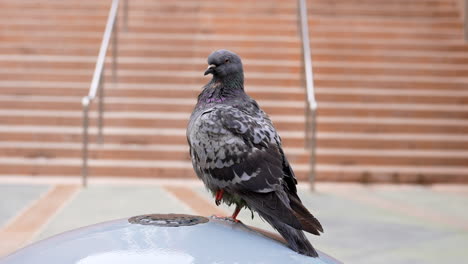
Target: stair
pixel 47 58
pixel 392 86
pixel 389 77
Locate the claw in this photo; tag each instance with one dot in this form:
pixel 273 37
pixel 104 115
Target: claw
pixel 220 216
pixel 219 196
pixel 226 218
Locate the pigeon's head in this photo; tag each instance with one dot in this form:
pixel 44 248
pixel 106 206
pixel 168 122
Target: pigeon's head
pixel 224 63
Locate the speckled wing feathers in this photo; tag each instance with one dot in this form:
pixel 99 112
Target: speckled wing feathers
pixel 232 148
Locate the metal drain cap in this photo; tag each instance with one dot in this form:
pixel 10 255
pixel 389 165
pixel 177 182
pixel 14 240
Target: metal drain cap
pixel 169 220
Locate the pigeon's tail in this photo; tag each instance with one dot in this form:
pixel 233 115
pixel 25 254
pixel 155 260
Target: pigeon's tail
pixel 296 239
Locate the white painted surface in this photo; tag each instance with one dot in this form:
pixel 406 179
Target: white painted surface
pixel 217 241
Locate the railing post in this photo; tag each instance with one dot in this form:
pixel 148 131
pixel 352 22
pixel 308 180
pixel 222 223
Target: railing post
pixel 312 148
pixel 465 19
pixel 97 84
pixel 101 109
pixel 114 50
pixel 84 168
pixel 311 104
pixel 307 126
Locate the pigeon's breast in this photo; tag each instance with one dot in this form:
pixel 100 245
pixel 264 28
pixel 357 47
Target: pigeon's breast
pixel 212 146
pixel 211 142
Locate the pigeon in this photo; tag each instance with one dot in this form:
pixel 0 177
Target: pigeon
pixel 236 152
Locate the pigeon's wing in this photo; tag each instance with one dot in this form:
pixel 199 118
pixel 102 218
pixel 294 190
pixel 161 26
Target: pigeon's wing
pixel 241 151
pixel 237 149
pixel 259 134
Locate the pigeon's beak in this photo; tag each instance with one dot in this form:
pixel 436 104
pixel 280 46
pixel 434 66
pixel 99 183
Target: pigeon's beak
pixel 210 69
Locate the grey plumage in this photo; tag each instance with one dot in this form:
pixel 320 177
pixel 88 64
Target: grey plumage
pixel 235 148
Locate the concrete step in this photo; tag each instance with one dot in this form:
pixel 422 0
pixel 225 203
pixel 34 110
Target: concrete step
pixel 402 82
pixel 328 155
pixel 177 169
pixel 214 25
pixel 391 141
pixel 126 63
pixel 392 125
pixel 365 69
pixel 381 52
pixel 142 77
pixel 151 5
pixel 439 111
pixel 194 78
pixel 168 27
pixel 190 49
pixel 383 34
pixel 282 122
pixel 177 8
pixel 201 37
pixel 185 63
pixel 389 58
pixel 175 27
pixel 369 44
pixel 115 151
pixel 66 64
pixel 15 90
pixel 396 158
pixel 133 51
pixel 155 7
pixel 396 174
pixel 191 62
pixel 297 157
pixel 287 63
pixel 34 102
pixel 386 24
pixel 114 168
pixel 165 104
pixel 253 78
pixel 393 2
pixel 96 151
pixel 345 9
pixel 391 96
pixel 137 16
pixel 125 119
pixel 226 40
pixel 145 93
pixel 291 139
pixel 116 135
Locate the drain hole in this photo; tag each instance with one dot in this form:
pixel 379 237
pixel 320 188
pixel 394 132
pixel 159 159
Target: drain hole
pixel 171 220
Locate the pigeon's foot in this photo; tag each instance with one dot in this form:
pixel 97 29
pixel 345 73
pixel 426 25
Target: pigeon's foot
pixel 220 216
pixel 235 220
pixel 219 196
pixel 234 215
pixel 226 218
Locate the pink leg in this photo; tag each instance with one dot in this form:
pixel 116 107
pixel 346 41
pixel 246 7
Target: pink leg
pixel 219 196
pixel 236 212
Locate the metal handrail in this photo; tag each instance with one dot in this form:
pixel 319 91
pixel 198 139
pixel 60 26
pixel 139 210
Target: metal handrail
pixel 311 103
pixel 465 19
pixel 97 83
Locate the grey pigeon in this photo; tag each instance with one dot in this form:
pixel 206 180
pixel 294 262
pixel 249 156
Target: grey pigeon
pixel 237 153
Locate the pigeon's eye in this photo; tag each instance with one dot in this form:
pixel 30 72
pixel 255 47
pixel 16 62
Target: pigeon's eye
pixel 227 61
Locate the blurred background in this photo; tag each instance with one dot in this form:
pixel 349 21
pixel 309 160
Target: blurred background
pixel 376 127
